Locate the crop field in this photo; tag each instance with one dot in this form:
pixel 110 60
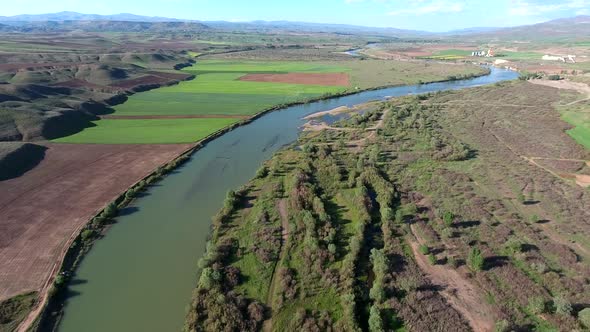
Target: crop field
pixel 216 93
pixel 42 209
pixel 217 90
pixel 581 122
pixel 147 131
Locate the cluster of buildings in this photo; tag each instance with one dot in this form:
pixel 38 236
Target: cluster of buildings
pixel 570 58
pixel 488 54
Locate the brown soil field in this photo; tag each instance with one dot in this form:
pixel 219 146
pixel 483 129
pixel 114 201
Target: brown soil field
pixel 336 79
pixel 42 210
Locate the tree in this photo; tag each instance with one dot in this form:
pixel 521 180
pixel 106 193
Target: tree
pixel 110 211
pixel 562 305
pixel 375 320
pixel 475 259
pixel 207 279
pixel 377 293
pixel 584 317
pixel 536 305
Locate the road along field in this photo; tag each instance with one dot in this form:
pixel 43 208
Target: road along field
pixel 41 211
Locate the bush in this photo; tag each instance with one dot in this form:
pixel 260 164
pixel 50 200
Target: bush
pixel 475 259
pixel 87 234
pixel 424 249
pixel 448 218
pixel 584 317
pixel 554 77
pixel 431 259
pixel 562 305
pixel 536 305
pixel 502 326
pixel 262 172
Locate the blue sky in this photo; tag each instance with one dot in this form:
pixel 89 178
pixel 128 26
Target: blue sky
pixel 432 15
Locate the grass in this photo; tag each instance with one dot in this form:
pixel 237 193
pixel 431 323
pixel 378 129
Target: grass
pixel 581 122
pixel 217 90
pixel 509 55
pixel 15 309
pixel 147 131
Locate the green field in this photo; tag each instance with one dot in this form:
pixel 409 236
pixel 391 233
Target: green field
pixel 581 122
pixel 509 55
pixel 217 90
pixel 147 131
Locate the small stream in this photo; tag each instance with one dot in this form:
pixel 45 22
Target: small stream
pixel 140 276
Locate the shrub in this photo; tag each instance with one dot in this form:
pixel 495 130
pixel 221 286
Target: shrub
pixel 536 305
pixel 431 259
pixel 424 249
pixel 534 218
pixel 452 261
pixel 87 234
pixel 554 77
pixel 584 317
pixel 448 218
pixel 562 305
pixel 475 259
pixel 502 326
pixel 262 172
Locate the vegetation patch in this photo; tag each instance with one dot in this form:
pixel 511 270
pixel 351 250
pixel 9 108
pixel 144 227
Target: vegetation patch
pixel 15 309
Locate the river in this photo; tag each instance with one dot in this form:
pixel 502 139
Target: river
pixel 140 276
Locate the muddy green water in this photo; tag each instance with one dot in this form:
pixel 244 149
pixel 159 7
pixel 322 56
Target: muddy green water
pixel 141 275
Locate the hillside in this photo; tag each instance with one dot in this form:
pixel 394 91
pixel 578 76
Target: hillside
pixel 573 28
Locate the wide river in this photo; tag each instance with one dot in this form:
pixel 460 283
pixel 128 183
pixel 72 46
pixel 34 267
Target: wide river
pixel 141 275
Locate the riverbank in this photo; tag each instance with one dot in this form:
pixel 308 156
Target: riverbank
pixel 257 116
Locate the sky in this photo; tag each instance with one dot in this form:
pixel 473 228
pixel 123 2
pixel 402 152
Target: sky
pixel 430 15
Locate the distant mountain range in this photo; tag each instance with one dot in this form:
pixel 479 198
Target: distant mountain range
pixel 74 16
pixel 575 27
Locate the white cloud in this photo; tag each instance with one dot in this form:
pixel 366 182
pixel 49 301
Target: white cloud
pixel 540 7
pixel 430 8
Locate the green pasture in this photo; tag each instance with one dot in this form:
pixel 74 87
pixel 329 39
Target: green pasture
pixel 581 122
pixel 217 90
pixel 124 131
pixel 509 55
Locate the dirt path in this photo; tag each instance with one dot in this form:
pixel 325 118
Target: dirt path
pixel 565 84
pixel 282 208
pixel 461 294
